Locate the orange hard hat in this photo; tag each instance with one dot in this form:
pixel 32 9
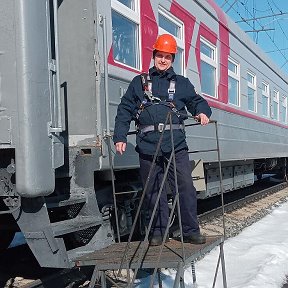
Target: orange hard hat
pixel 166 43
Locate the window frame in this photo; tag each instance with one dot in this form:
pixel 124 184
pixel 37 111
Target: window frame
pixel 276 99
pixel 132 15
pixel 211 62
pixel 252 85
pixel 180 41
pixel 284 104
pixel 235 76
pixel 267 95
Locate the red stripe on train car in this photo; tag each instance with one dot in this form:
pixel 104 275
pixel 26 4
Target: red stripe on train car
pixel 189 23
pixel 149 32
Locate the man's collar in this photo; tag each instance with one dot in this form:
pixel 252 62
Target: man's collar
pixel 169 73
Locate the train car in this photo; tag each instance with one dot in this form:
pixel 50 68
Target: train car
pixel 64 66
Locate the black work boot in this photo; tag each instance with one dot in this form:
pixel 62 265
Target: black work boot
pixel 194 239
pixel 156 240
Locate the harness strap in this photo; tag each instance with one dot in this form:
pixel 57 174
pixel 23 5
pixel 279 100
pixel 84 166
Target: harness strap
pixel 159 127
pixel 144 79
pixel 147 87
pixel 149 99
pixel 171 90
pixel 149 83
pixel 143 105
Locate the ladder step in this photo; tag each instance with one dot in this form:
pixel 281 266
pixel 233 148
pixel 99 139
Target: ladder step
pixel 126 192
pixel 62 201
pixel 76 224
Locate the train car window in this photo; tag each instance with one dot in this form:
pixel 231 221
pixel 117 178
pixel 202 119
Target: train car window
pixel 128 3
pixel 169 26
pixel 275 113
pixel 284 109
pixel 251 92
pixel 265 99
pixel 125 32
pixel 168 23
pixel 208 67
pixel 233 82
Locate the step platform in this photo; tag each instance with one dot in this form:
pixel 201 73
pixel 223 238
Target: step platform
pixel 110 258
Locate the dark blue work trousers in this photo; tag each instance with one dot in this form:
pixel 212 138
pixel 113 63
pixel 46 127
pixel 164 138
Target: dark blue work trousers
pixel 187 192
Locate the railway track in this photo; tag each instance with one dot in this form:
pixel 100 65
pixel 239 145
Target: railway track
pixel 243 212
pixel 238 214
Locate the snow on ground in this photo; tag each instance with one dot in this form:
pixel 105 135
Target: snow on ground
pixel 256 258
pixel 17 240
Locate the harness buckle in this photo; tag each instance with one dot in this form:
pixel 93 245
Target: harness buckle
pixel 156 99
pixel 148 95
pixel 161 127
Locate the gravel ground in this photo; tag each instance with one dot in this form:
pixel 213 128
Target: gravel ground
pixel 237 220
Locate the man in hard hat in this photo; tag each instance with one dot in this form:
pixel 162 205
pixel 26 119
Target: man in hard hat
pixel 148 100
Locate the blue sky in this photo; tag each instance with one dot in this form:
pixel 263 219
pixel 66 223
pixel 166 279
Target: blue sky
pixel 274 40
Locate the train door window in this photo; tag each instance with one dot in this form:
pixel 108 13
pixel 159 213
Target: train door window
pixel 125 32
pixel 275 114
pixel 233 82
pixel 265 99
pixel 284 109
pixel 168 23
pixel 251 92
pixel 208 67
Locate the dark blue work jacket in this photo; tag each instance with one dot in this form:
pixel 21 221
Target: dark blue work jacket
pixel 185 96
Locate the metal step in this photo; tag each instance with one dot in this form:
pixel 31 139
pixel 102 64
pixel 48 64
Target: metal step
pixel 141 253
pixel 76 224
pixel 62 201
pixel 101 239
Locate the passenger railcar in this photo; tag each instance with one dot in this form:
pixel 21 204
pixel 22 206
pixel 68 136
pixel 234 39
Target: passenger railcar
pixel 64 66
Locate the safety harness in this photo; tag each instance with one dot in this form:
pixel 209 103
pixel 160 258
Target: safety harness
pixel 149 100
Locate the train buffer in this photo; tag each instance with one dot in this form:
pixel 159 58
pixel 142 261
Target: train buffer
pixel 171 256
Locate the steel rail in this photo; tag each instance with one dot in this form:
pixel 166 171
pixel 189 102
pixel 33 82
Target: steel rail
pixel 241 202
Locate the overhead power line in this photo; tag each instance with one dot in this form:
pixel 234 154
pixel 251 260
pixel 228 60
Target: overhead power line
pixel 224 3
pixel 231 5
pixel 276 50
pixel 260 30
pixel 262 17
pixel 257 21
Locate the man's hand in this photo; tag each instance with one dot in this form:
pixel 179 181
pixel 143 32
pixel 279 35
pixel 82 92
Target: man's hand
pixel 202 118
pixel 120 147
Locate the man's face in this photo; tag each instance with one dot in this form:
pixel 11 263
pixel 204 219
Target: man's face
pixel 162 61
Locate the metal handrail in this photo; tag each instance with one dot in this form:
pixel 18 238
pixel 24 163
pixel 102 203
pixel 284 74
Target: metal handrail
pixel 108 138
